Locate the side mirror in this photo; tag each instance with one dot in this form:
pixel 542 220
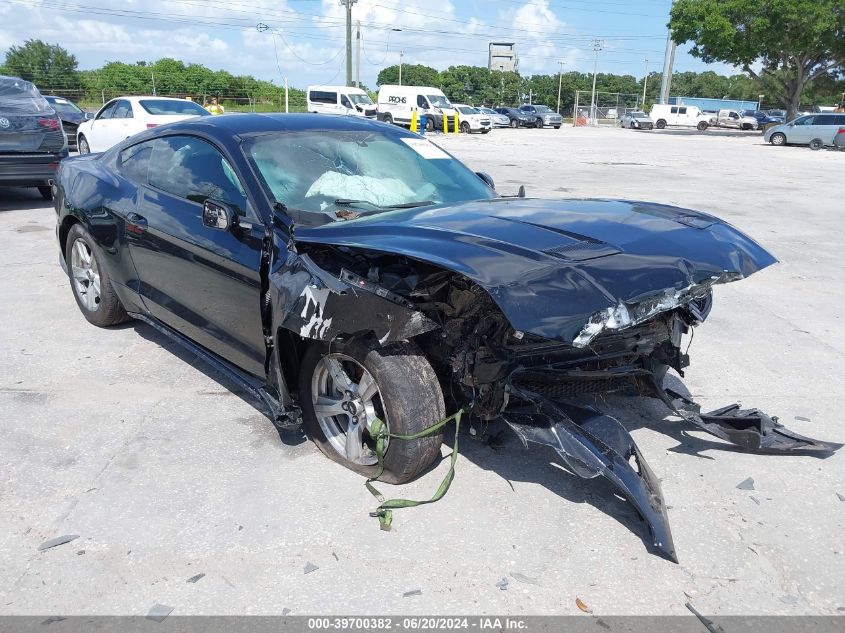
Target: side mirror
pixel 89 116
pixel 486 178
pixel 218 215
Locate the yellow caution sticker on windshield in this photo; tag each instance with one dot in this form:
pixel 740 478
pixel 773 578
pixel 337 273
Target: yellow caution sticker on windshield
pixel 425 148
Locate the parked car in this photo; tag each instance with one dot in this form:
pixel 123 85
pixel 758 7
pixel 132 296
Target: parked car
pixel 122 117
pixel 32 141
pixel 471 119
pixel 777 113
pixel 340 100
pixel 763 119
pixel 518 118
pixel 355 278
pixel 806 129
pixel 496 119
pixel 636 121
pixel 664 114
pixel 733 119
pixel 71 116
pixel 544 114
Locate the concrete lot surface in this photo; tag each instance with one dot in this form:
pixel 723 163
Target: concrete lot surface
pixel 163 473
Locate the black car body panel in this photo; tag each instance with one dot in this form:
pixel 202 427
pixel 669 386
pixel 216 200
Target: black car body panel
pixel 31 138
pixel 519 305
pixel 70 114
pixel 551 265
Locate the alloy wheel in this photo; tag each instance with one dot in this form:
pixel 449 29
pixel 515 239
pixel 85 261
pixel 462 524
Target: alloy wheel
pixel 85 274
pixel 346 401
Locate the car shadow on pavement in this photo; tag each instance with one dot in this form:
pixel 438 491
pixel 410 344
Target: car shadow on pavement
pixel 17 198
pixel 287 437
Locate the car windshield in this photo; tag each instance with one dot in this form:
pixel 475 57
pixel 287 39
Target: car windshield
pixel 542 109
pixel 639 115
pixel 63 105
pixel 488 111
pixel 368 171
pixel 467 110
pixel 360 99
pixel 21 97
pixel 163 107
pixel 439 101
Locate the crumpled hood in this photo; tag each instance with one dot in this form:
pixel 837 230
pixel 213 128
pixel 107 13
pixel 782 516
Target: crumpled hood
pixel 552 265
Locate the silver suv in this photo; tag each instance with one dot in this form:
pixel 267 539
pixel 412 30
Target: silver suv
pixel 545 115
pixel 806 129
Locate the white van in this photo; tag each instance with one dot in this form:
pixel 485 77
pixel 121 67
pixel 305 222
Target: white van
pixel 664 114
pixel 340 100
pixel 397 103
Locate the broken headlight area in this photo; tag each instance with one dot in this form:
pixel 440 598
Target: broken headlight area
pixel 547 390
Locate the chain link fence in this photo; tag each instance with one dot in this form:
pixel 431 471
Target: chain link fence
pixel 605 108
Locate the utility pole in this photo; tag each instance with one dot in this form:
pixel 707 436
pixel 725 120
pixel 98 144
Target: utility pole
pixel 645 82
pixel 348 4
pixel 358 56
pixel 668 62
pixel 597 46
pixel 153 75
pixel 401 55
pixel 559 83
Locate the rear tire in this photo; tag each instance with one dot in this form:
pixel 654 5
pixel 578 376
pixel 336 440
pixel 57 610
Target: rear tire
pixel 90 281
pixel 816 144
pixel 702 125
pixel 778 138
pixel 539 124
pixel 408 399
pixel 660 124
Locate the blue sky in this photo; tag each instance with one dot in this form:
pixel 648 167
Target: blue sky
pixel 304 40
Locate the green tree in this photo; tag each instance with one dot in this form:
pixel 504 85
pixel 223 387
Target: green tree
pixel 412 75
pixel 48 66
pixel 792 42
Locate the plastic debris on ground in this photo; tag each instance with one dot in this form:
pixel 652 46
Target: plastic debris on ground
pixel 59 540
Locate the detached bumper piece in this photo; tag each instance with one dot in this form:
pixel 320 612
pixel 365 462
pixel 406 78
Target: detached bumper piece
pixel 750 429
pixel 593 444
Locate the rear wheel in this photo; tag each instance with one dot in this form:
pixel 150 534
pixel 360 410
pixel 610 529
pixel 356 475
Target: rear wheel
pixel 83 145
pixel 778 139
pixel 702 125
pixel 660 124
pixel 90 280
pixel 539 123
pixel 344 387
pixel 816 144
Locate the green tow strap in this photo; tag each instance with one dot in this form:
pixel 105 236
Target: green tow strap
pixel 378 429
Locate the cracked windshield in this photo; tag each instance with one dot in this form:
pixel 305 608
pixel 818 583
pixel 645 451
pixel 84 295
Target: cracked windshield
pixel 327 176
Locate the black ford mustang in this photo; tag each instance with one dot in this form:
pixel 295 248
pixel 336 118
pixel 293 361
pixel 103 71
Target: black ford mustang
pixel 347 271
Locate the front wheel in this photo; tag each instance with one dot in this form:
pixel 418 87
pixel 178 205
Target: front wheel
pixel 538 124
pixel 778 139
pixel 514 123
pixel 660 124
pixel 429 124
pixel 344 387
pixel 465 127
pixel 90 280
pixel 83 146
pixel 388 119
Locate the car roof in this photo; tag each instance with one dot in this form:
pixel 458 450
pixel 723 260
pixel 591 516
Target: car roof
pixel 137 98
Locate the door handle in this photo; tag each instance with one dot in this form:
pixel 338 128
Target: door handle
pixel 135 223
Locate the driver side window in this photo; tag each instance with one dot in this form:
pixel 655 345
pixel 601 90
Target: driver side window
pixel 421 102
pixel 193 169
pixel 107 111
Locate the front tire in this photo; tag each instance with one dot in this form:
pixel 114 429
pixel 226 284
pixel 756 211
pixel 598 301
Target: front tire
pixel 388 119
pixel 83 146
pixel 514 123
pixel 342 387
pixel 465 128
pixel 90 281
pixel 778 138
pixel 539 124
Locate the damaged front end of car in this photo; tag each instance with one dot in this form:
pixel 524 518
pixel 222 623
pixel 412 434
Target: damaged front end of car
pixel 521 335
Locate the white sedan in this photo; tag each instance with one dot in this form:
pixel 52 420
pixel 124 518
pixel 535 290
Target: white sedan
pixel 122 117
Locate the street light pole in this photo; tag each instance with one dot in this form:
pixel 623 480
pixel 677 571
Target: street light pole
pixel 645 82
pixel 559 83
pixel 597 46
pixel 401 54
pixel 358 56
pixel 348 4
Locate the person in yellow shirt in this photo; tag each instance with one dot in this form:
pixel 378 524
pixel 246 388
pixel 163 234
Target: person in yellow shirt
pixel 215 108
